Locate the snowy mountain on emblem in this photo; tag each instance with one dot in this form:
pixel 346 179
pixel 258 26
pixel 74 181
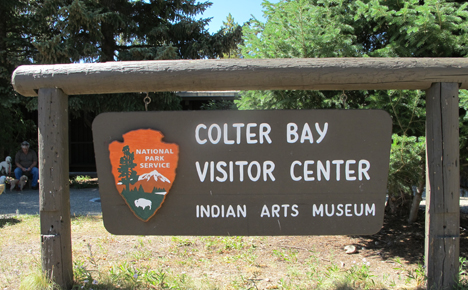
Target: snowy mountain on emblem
pixel 156 175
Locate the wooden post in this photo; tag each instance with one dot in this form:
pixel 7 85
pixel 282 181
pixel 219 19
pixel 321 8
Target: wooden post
pixel 54 192
pixel 442 186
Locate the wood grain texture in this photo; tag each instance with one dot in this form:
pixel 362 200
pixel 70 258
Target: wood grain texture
pixel 442 244
pixel 241 74
pixel 54 192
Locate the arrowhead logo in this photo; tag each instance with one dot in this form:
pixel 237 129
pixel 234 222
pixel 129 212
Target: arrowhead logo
pixel 144 169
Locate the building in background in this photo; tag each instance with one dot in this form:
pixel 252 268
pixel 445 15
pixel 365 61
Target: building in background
pixel 81 150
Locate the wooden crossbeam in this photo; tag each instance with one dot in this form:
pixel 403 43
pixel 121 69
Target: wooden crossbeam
pixel 242 74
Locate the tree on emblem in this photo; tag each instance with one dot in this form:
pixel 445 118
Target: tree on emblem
pixel 127 174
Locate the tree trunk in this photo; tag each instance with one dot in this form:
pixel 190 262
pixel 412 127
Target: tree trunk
pixel 108 41
pixel 417 200
pixel 390 204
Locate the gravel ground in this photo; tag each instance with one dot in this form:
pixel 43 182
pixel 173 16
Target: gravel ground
pixel 82 202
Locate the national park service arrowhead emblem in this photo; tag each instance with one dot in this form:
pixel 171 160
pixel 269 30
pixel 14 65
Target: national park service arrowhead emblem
pixel 144 169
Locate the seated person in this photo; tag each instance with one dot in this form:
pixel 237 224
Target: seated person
pixel 26 164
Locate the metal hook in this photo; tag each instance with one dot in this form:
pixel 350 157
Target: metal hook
pixel 343 99
pixel 147 100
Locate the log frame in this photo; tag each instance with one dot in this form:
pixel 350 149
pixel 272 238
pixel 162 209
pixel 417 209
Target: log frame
pixel 242 74
pixel 440 76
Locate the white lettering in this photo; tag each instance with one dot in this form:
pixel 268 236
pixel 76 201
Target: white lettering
pixel 291 134
pixel 317 211
pixel 265 211
pixel 322 133
pixel 370 210
pixel 268 167
pixel 356 212
pixel 264 130
pixel 324 172
pixel 218 133
pixel 337 163
pixel 307 134
pixel 249 171
pixel 226 140
pixel 230 212
pixel 348 210
pixel 201 174
pixel 216 211
pixel 344 210
pixel 295 210
pixel 332 210
pixel 155 165
pixel 222 171
pixel 363 170
pixel 308 173
pixel 340 209
pixel 288 210
pixel 348 171
pixel 197 134
pixel 242 211
pixel 249 135
pixel 241 169
pixel 275 210
pixel 211 171
pixel 238 127
pixel 291 171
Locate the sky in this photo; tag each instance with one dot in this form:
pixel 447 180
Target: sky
pixel 241 10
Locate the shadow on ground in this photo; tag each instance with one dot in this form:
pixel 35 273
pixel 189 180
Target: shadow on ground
pixel 8 221
pixel 397 238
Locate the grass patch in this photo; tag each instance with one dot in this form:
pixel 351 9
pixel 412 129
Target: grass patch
pixel 83 181
pixel 37 280
pixel 105 261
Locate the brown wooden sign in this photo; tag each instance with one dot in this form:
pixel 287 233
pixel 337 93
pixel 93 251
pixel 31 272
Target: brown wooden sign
pixel 301 172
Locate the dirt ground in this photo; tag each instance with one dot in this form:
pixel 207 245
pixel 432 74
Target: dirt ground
pixel 394 253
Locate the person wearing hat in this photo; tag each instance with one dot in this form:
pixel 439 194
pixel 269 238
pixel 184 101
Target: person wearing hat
pixel 26 164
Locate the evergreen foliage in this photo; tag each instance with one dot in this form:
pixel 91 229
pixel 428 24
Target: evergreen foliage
pixel 127 174
pixel 108 30
pixel 18 27
pixel 231 27
pixel 67 31
pixel 407 165
pixel 90 31
pixel 363 28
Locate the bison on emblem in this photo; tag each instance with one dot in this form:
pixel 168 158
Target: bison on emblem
pixel 143 203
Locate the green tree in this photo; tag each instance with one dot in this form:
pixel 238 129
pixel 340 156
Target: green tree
pixel 231 27
pixel 127 174
pixel 340 28
pixel 18 27
pixel 108 30
pixel 361 28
